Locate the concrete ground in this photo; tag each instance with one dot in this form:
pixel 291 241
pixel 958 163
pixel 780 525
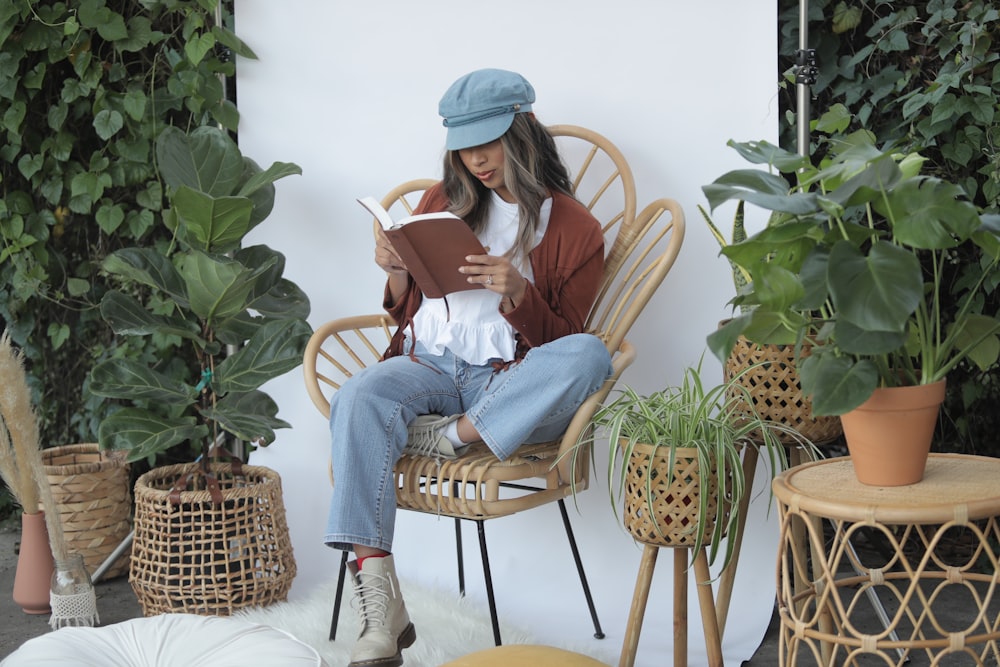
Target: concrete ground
pixel 116 602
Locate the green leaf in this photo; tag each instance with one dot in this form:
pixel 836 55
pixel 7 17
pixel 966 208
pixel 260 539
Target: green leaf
pixel 134 104
pixel 854 340
pixel 112 28
pixel 978 336
pixel 149 267
pixel 276 171
pixel 109 218
pixel 769 191
pixel 77 286
pixel 124 378
pixel 929 213
pixel 274 349
pixel 58 333
pixel 198 45
pixel 763 152
pixel 107 123
pixel 207 160
pixel 90 184
pixel 250 416
pixel 127 317
pixel 227 115
pixel 29 165
pixel 237 45
pixel 56 115
pixel 877 292
pixel 837 384
pixel 152 197
pixel 217 287
pixel 283 300
pixel 140 35
pixel 212 223
pixel 146 434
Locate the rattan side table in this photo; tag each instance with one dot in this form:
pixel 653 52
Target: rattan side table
pixel 819 606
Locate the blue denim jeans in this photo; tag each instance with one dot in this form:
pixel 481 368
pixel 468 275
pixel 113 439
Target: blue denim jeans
pixel 531 401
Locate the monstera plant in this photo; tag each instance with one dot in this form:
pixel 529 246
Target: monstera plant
pixel 245 323
pixel 853 263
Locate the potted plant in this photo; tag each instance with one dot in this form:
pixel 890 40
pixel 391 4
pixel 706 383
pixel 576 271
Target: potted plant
pixel 246 324
pixel 768 371
pixel 676 463
pixel 245 321
pixel 675 459
pixel 850 267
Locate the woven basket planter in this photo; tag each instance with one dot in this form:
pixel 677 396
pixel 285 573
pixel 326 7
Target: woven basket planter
pixel 193 555
pixel 770 377
pixel 662 509
pixel 90 488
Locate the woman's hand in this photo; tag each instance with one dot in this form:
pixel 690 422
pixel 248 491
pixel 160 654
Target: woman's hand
pixel 386 257
pixel 496 274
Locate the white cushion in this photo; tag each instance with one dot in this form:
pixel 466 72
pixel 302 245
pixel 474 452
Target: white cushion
pixel 168 640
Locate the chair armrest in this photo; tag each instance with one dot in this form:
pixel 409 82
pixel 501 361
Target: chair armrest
pixel 340 348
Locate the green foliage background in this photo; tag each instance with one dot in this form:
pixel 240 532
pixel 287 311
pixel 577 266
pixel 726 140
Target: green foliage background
pixel 924 74
pixel 86 86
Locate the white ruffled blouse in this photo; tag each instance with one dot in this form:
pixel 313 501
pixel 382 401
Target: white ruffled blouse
pixel 470 324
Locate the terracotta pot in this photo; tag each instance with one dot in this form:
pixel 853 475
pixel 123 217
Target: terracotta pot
pixel 33 576
pixel 889 435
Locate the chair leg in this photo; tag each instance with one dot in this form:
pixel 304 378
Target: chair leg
pixel 481 524
pixel 458 549
pixel 598 632
pixel 339 595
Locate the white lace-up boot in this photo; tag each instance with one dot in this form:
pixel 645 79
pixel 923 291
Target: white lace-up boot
pixel 385 626
pixel 425 437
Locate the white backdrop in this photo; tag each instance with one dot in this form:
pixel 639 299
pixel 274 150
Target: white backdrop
pixel 349 92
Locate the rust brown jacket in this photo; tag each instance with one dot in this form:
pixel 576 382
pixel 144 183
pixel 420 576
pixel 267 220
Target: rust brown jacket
pixel 568 265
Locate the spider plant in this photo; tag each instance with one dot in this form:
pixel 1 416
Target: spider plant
pixel 707 420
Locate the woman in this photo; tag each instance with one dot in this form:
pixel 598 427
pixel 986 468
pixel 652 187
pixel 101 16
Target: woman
pixel 507 365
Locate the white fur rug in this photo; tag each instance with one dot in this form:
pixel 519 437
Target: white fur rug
pixel 448 626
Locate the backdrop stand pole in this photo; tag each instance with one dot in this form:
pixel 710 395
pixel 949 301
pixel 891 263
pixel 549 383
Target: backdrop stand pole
pixel 805 77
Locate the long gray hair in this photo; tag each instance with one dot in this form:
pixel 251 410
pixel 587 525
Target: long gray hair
pixel 532 168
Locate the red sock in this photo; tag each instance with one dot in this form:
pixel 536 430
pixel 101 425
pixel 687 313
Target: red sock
pixel 362 559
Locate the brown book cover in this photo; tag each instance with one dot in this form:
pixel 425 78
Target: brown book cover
pixel 432 246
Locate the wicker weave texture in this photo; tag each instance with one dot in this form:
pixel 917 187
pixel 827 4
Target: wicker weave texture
pixel 197 557
pixel 661 508
pixel 91 493
pixel 770 377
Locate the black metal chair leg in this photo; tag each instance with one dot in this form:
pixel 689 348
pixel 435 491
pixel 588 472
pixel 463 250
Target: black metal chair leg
pixel 598 633
pixel 461 558
pixel 337 598
pixel 489 581
pixel 455 490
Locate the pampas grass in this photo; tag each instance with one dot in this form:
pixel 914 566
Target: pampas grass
pixel 18 428
pixel 21 462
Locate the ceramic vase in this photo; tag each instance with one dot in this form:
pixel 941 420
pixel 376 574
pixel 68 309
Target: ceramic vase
pixel 33 576
pixel 889 435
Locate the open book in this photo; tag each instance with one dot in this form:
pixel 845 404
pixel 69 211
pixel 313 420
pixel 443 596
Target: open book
pixel 433 246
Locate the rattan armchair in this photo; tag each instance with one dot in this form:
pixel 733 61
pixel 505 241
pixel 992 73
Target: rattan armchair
pixel 640 250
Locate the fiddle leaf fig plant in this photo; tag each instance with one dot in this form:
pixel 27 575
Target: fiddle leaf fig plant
pixel 851 264
pixel 245 322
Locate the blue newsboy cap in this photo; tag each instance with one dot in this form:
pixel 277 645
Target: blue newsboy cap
pixel 480 106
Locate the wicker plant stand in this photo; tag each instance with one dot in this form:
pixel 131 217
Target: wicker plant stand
pixel 202 551
pixel 670 524
pixel 91 492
